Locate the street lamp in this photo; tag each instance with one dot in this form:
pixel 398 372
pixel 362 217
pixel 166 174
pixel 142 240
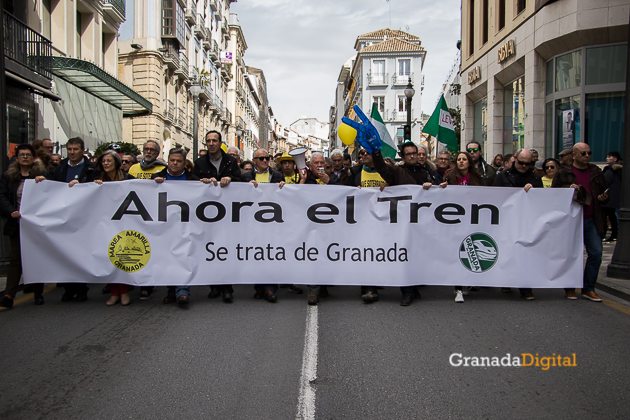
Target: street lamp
pixel 195 90
pixel 238 133
pixel 409 92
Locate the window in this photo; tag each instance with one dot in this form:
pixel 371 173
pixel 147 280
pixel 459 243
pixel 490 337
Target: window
pixel 168 24
pixel 569 71
pixel 480 125
pixel 404 67
pixel 605 123
pixel 501 8
pixel 400 134
pixel 520 6
pixel 606 64
pixel 513 116
pixel 378 71
pixel 46 17
pixel 484 11
pixel 380 104
pixel 402 103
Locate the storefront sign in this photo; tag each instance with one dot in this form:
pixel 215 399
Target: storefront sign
pixel 226 57
pixel 506 50
pixel 474 75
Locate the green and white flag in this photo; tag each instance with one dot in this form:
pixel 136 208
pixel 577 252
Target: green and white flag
pixel 389 148
pixel 440 125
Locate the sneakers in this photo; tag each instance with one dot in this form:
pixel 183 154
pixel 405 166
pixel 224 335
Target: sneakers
pixel 313 299
pixel 6 302
pixel 145 294
pixel 370 297
pixel 406 300
pixel 270 296
pixel 570 294
pixel 528 296
pixel 611 239
pixel 459 296
pixel 592 296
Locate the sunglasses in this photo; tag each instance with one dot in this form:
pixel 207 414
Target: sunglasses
pixel 523 163
pixel 126 161
pixel 550 167
pixel 475 150
pixel 587 153
pixel 362 153
pixel 262 158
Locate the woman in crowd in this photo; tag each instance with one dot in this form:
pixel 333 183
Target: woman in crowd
pixel 11 187
pixel 109 165
pixel 464 173
pixel 497 162
pixel 550 167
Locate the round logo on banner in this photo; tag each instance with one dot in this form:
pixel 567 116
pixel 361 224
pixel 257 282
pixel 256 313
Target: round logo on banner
pixel 129 251
pixel 478 252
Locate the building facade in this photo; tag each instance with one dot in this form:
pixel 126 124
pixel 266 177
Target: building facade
pixel 544 74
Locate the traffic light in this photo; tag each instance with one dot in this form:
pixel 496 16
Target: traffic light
pixel 407 132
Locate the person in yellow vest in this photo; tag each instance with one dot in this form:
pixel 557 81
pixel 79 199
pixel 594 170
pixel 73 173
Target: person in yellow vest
pixel 149 164
pixel 287 164
pixel 365 176
pixel 262 173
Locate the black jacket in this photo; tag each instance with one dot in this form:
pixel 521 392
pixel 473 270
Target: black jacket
pixel 486 172
pixel 513 178
pixel 275 177
pixel 401 174
pixel 228 167
pixel 8 196
pixel 162 174
pixel 310 179
pixel 612 173
pixel 88 174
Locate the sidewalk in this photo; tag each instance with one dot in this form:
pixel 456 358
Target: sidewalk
pixel 616 287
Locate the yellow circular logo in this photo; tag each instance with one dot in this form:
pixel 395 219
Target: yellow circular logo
pixel 129 251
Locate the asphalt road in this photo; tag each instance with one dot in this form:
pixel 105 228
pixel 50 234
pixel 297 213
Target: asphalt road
pixel 380 361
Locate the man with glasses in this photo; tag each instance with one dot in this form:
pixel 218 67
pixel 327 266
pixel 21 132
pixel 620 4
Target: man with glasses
pixel 590 191
pixel 128 160
pixel 218 168
pixel 443 164
pixel 235 153
pixel 520 175
pixel 339 169
pixel 423 152
pixel 486 172
pixel 149 164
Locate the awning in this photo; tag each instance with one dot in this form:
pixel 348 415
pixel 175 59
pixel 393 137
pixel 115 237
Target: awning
pixel 32 86
pixel 101 84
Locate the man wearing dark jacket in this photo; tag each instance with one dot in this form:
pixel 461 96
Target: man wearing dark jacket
pixel 73 170
pixel 612 173
pixel 316 173
pixel 520 175
pixel 590 191
pixel 486 172
pixel 217 167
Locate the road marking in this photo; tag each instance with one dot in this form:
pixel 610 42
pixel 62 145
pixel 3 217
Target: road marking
pixel 30 296
pixel 617 306
pixel 306 400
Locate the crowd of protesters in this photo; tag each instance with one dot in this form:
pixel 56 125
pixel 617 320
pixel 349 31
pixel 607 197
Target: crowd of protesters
pixel 598 190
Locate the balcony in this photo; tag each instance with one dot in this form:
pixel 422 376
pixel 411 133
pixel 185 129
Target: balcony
pixel 213 54
pixel 228 116
pixel 171 56
pixel 377 79
pixel 239 122
pixel 218 12
pixel 181 117
pixel 207 42
pixel 191 16
pixel 239 90
pixel 401 79
pixel 400 115
pixel 200 27
pixel 115 9
pixel 27 48
pixel 169 110
pixel 182 70
pixel 225 28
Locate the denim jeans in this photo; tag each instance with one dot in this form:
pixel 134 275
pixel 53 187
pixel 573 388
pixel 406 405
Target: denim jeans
pixel 594 248
pixel 178 291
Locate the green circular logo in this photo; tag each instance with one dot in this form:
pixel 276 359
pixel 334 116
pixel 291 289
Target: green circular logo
pixel 478 252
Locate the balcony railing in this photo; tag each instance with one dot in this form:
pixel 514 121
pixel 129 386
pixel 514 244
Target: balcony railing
pixel 181 117
pixel 239 90
pixel 228 116
pixel 169 110
pixel 402 79
pixel 183 64
pixel 200 27
pixel 213 5
pixel 400 115
pixel 118 5
pixel 214 52
pixel 26 46
pixel 171 55
pixel 377 79
pixel 191 15
pixel 239 122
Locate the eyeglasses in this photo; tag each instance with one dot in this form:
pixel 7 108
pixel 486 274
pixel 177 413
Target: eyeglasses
pixel 150 149
pixel 262 158
pixel 550 167
pixel 587 153
pixel 362 153
pixel 475 150
pixel 126 161
pixel 523 163
pixel 25 155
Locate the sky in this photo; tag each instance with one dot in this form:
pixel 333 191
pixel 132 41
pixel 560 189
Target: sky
pixel 300 45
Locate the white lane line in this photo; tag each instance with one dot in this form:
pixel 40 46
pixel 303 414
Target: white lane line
pixel 306 400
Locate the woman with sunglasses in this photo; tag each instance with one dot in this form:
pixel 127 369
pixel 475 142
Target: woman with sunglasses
pixel 109 165
pixel 550 167
pixel 11 187
pixel 464 173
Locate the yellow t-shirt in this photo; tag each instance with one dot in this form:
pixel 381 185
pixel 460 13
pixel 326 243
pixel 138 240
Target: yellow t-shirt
pixel 264 178
pixel 294 179
pixel 137 172
pixel 547 182
pixel 370 179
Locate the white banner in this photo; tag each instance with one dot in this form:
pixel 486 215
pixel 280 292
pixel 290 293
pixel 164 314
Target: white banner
pixel 188 233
